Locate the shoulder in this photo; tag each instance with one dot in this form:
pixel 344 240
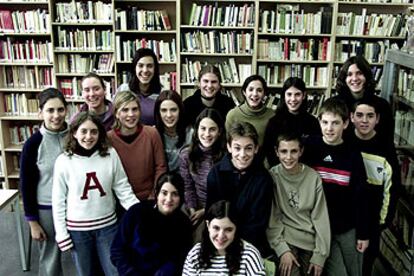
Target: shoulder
pixel 150 130
pixel 194 253
pixel 33 141
pixel 250 251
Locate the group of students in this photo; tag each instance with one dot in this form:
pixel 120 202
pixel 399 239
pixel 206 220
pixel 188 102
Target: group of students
pixel 212 189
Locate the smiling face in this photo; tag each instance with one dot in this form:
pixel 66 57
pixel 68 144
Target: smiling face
pixel 168 199
pixel 355 80
pixel 254 94
pixel 87 135
pixel 94 94
pixel 332 127
pixel 221 233
pixel 53 114
pixel 208 132
pixel 294 99
pixel 289 153
pixel 209 85
pixel 169 113
pixel 365 119
pixel 144 70
pixel 128 116
pixel 242 150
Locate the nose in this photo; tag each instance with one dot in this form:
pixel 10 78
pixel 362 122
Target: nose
pixel 168 197
pixel 221 234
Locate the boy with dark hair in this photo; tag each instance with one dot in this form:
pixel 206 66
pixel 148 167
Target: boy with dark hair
pixel 242 179
pixel 344 182
pixel 298 231
pixel 382 170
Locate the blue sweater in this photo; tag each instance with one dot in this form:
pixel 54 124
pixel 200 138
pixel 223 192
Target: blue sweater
pixel 36 170
pixel 250 192
pixel 148 242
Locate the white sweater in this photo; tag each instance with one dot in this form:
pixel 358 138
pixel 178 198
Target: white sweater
pixel 82 194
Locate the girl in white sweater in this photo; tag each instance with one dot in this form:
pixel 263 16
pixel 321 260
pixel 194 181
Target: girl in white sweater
pixel 86 177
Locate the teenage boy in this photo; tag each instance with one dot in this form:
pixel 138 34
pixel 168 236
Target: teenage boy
pixel 382 170
pixel 242 179
pixel 298 229
pixel 343 176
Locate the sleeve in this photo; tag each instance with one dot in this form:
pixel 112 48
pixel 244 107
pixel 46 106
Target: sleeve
pixel 191 262
pixel 159 155
pixel 229 119
pixel 59 205
pixel 122 241
pixel 121 186
pixel 359 182
pixel 254 262
pixel 29 177
pixel 213 183
pixel 320 221
pixel 189 185
pixel 275 229
pixel 388 184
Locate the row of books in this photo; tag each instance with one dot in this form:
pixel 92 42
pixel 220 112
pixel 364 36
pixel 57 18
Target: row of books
pixel 26 77
pixel 30 21
pixel 20 133
pixel 387 25
pixel 72 89
pixel 164 50
pixel 84 12
pixel 405 85
pixel 19 104
pixel 404 127
pixel 229 16
pixel 142 20
pixel 169 81
pixel 314 76
pixel 229 70
pixel 30 51
pixel 217 42
pixel 76 63
pixel 374 52
pixel 290 19
pixel 399 258
pixel 78 39
pixel 295 49
pixel 407 178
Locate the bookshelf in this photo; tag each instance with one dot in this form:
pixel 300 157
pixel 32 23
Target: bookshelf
pixel 398 242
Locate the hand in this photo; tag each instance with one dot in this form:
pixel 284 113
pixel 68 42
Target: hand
pixel 317 269
pixel 195 216
pixel 287 260
pixel 362 245
pixel 37 231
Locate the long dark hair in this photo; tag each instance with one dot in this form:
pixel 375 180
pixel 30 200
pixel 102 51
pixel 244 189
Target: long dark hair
pixel 180 127
pixel 299 84
pixel 102 145
pixel 221 209
pixel 363 65
pixel 195 152
pixel 155 84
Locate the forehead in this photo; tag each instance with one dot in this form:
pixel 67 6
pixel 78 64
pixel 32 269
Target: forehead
pixel 168 104
pixel 330 116
pixel 146 60
pixel 289 144
pixel 208 123
pixel 53 103
pixel 353 68
pixel 209 77
pixel 130 104
pixel 88 124
pixel 255 83
pixel 293 90
pixel 222 223
pixel 242 141
pixel 91 81
pixel 168 187
pixel 364 108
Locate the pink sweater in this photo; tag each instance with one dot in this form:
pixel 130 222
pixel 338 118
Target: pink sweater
pixel 143 160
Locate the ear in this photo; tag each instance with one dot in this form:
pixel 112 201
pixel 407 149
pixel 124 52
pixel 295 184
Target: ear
pixel 256 150
pixel 39 114
pixel 276 151
pixel 228 147
pixel 378 118
pixel 207 223
pixel 346 123
pixel 352 117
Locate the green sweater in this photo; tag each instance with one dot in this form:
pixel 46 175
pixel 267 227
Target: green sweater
pixel 299 214
pixel 258 118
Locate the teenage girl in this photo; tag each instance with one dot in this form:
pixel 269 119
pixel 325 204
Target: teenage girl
pixel 169 117
pixel 86 177
pixel 36 171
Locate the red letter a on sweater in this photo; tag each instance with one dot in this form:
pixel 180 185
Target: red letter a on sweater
pixel 88 186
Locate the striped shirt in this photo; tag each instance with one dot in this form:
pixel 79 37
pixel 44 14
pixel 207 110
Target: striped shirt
pixel 251 263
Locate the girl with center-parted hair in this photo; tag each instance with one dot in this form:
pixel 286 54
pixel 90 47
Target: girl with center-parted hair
pixel 254 109
pixel 196 160
pixel 221 251
pixel 291 116
pixel 169 117
pixel 154 236
pixel 139 146
pixel 144 82
pixel 36 177
pixel 86 177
